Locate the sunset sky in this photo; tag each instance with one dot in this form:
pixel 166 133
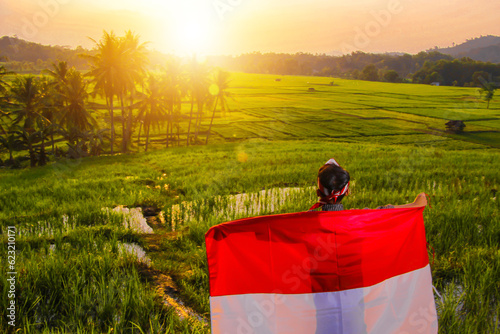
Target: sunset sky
pixel 240 26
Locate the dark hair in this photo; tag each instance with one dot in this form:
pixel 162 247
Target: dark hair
pixel 333 177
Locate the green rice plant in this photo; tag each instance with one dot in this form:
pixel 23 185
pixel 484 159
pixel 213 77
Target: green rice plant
pixel 85 283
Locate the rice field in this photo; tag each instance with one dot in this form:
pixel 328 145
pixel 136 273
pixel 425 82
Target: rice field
pixel 81 269
pixel 350 110
pixel 347 111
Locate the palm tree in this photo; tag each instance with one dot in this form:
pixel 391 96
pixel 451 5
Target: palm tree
pixel 44 129
pixel 4 120
pixel 489 91
pixel 29 139
pixel 136 57
pixel 151 106
pixel 116 68
pixel 3 116
pixel 11 143
pixel 198 74
pixel 96 140
pixel 221 84
pixel 138 120
pixel 50 103
pixel 4 86
pixel 4 89
pixel 75 116
pixel 59 73
pixel 26 97
pixel 86 143
pixel 27 100
pixel 106 73
pixel 174 87
pixel 59 76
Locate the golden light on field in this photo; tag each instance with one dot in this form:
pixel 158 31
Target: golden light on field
pixel 242 157
pixel 214 89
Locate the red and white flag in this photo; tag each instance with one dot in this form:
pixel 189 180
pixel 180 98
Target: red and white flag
pixel 352 271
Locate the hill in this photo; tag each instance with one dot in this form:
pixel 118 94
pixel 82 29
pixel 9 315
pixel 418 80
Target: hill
pixel 489 53
pixel 14 49
pixel 17 51
pixel 484 48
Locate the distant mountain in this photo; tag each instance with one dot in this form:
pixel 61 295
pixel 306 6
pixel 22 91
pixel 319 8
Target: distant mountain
pixel 14 49
pixel 484 48
pixel 489 53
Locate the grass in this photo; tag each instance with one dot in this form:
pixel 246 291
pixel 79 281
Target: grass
pixel 73 275
pixel 83 280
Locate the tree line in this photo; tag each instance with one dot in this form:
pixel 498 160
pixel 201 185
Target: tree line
pixel 39 113
pixel 408 68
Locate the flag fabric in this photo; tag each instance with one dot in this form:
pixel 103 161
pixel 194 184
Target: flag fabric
pixel 351 271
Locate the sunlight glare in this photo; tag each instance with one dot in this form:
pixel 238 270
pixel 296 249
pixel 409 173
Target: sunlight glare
pixel 191 31
pixel 192 36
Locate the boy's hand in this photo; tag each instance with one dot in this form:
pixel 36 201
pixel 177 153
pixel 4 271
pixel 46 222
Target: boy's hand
pixel 421 200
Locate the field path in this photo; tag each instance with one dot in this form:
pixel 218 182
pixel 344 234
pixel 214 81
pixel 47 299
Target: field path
pixel 167 290
pixel 165 286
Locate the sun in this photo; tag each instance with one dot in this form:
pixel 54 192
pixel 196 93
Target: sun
pixel 192 36
pixel 190 31
pixel 184 27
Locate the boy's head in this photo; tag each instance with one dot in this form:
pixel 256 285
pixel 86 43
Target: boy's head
pixel 333 182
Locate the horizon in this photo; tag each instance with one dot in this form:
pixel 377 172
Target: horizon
pixel 72 47
pixel 233 27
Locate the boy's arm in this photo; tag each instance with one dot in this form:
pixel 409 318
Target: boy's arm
pixel 421 200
